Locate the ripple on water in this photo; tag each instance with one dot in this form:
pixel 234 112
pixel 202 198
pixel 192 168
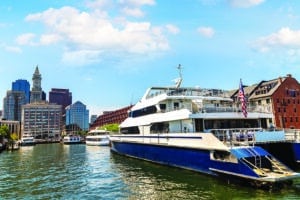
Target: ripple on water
pixel 56 171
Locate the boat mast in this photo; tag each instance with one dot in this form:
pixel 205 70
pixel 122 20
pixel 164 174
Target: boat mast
pixel 179 80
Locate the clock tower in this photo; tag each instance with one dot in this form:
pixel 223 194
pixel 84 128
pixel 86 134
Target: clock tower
pixel 36 90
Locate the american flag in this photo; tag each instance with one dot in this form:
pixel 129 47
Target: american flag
pixel 243 99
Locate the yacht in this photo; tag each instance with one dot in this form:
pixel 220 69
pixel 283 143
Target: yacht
pixel 97 138
pixel 72 139
pixel 174 126
pixel 27 141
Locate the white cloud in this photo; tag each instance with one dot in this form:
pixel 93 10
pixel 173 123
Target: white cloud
pixel 49 39
pixel 134 12
pixel 81 57
pixel 133 7
pixel 284 38
pixel 26 39
pixel 86 34
pixel 245 3
pixel 172 29
pixel 137 3
pixel 206 31
pixel 13 49
pixel 98 4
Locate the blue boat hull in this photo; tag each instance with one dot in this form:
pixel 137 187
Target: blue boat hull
pixel 188 158
pixel 296 150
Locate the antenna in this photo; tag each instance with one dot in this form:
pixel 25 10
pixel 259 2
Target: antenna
pixel 179 70
pixel 179 80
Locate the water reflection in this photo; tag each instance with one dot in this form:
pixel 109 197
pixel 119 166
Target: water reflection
pixel 56 171
pixel 151 181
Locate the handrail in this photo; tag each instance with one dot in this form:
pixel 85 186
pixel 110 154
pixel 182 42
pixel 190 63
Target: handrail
pixel 255 154
pixel 260 170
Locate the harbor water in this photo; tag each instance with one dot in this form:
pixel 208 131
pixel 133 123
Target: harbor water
pixel 57 171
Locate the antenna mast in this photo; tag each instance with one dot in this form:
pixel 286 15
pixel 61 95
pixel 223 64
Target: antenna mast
pixel 179 80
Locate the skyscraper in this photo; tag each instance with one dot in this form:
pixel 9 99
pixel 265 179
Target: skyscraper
pixel 60 97
pixel 12 105
pixel 36 90
pixel 78 114
pixel 93 118
pixel 22 85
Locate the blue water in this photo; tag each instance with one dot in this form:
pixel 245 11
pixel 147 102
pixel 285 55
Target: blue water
pixel 56 171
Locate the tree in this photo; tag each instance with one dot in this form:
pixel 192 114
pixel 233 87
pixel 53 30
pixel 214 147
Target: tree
pixel 110 127
pixel 4 131
pixel 11 137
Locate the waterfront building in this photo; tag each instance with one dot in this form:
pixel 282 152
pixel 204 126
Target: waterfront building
pixel 36 94
pixel 12 105
pixel 22 85
pixel 61 97
pixel 111 117
pixel 279 96
pixel 13 126
pixel 78 114
pixel 93 119
pixel 41 120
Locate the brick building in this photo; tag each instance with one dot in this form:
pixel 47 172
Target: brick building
pixel 111 117
pixel 280 96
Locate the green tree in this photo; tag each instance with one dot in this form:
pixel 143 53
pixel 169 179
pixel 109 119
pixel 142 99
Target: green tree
pixel 13 137
pixel 4 131
pixel 111 127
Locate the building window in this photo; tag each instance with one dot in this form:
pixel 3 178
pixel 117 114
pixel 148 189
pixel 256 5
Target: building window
pixel 259 102
pixel 291 119
pixel 278 109
pixel 291 92
pixel 268 101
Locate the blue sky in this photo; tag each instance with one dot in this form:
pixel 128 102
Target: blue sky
pixel 108 52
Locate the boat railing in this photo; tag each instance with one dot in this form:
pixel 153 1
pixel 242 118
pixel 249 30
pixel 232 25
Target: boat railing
pixel 236 136
pixel 220 108
pixel 292 135
pixel 251 136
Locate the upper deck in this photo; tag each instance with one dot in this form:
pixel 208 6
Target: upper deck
pixel 185 91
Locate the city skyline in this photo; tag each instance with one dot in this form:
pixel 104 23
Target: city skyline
pixel 107 53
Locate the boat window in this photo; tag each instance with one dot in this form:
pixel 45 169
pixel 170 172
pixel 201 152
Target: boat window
pixel 130 130
pixel 144 111
pixel 176 105
pixel 159 128
pixel 162 106
pixel 221 155
pixel 232 123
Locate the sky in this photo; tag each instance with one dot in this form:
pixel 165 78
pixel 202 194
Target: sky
pixel 108 52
